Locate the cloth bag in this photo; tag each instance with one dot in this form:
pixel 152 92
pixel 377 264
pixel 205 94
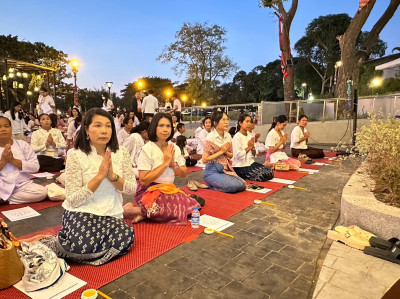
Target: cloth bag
pixel 42 267
pixel 11 267
pixel 55 192
pixel 281 166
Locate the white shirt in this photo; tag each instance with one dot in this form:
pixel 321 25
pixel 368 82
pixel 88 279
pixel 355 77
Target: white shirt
pixel 11 178
pixel 39 138
pixel 139 104
pixel 197 132
pixel 135 121
pixel 107 106
pixel 177 105
pixel 32 124
pixel 215 138
pixel 122 136
pixel 177 133
pixel 296 135
pixel 106 200
pixel 50 102
pixel 273 138
pixel 150 104
pixel 240 157
pixel 168 105
pixel 71 130
pixel 18 125
pixel 133 144
pixel 151 157
pixel 201 138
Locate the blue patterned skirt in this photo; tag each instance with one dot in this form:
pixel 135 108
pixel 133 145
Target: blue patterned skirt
pixel 90 239
pixel 255 172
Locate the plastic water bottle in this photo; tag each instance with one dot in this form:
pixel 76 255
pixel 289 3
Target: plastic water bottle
pixel 196 218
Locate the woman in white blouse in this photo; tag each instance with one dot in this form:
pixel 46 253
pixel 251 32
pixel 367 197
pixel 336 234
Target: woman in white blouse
pixel 17 161
pixel 18 124
pixel 202 134
pixel 159 162
pixel 243 152
pixel 72 127
pixel 299 140
pixel 275 144
pixel 107 103
pixel 124 133
pixel 219 173
pixel 46 142
pixel 98 171
pixel 135 142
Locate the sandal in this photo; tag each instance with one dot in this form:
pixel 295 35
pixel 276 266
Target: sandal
pixel 383 244
pixel 392 254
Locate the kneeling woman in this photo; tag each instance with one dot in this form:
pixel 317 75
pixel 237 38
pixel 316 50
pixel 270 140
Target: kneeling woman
pixel 97 172
pixel 159 162
pixel 244 151
pixel 46 142
pixel 17 161
pixel 275 144
pixel 218 173
pixel 299 139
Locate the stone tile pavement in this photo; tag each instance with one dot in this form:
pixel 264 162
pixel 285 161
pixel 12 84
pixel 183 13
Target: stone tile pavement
pixel 348 273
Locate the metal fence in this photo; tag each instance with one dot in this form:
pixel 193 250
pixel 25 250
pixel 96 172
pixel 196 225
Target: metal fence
pixel 316 110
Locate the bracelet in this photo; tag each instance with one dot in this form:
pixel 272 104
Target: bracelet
pixel 116 178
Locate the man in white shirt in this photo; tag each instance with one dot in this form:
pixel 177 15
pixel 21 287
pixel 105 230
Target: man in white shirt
pixel 177 107
pixel 46 102
pixel 150 104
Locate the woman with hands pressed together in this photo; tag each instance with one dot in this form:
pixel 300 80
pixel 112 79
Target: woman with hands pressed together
pixel 97 172
pixel 275 143
pixel 17 161
pixel 244 151
pixel 157 198
pixel 217 155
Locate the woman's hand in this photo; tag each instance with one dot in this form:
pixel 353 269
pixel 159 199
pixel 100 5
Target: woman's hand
pixel 284 138
pixel 105 165
pixel 307 134
pixel 251 143
pixel 50 141
pixel 225 147
pixel 5 156
pixel 169 155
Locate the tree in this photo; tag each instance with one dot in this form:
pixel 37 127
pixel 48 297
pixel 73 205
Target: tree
pixel 199 53
pixel 287 18
pixel 352 57
pixel 41 54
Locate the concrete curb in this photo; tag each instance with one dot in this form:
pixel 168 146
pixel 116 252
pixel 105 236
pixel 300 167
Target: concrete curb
pixel 360 207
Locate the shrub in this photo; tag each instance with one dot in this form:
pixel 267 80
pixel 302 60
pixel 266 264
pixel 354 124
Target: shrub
pixel 379 142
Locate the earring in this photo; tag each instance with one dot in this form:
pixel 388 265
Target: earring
pixel 87 137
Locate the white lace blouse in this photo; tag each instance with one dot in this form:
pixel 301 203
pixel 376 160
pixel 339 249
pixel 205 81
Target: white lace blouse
pixel 106 200
pixel 39 138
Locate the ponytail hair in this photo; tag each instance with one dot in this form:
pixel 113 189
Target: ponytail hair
pixel 142 126
pixel 280 119
pixel 241 119
pixel 180 142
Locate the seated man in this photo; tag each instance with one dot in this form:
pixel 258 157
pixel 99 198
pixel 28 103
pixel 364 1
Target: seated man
pixel 180 129
pixel 299 139
pixel 17 161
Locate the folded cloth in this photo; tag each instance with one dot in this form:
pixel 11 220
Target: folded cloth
pixel 42 267
pixel 153 192
pixel 278 156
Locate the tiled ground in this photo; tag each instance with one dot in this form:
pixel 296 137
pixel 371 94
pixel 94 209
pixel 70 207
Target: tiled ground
pixel 275 251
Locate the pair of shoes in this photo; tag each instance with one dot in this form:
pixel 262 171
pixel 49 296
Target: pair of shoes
pixel 388 250
pixel 194 185
pixel 352 236
pixel 255 187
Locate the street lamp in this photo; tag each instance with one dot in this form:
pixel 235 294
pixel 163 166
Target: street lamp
pixel 75 64
pixel 109 84
pixel 184 98
pixel 140 84
pixel 304 85
pixel 203 104
pixel 376 82
pixel 168 93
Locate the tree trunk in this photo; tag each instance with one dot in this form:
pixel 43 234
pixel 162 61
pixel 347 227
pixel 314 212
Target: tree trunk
pixel 352 59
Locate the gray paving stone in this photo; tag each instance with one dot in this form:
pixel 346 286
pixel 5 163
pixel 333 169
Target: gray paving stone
pixel 261 231
pixel 302 282
pixel 284 261
pixel 213 279
pixel 145 290
pixel 199 291
pixel 270 244
pixel 292 293
pixel 237 290
pixel 259 252
pixel 210 259
pixel 187 266
pixel 297 253
pixel 288 239
pixel 120 294
pixel 307 269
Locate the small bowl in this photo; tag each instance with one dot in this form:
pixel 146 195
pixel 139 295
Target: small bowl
pixel 208 231
pixel 257 201
pixel 89 294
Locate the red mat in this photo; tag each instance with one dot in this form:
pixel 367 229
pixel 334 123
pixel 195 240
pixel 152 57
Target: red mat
pixel 193 169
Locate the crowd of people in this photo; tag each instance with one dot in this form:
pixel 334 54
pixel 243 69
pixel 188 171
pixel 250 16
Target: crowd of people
pixel 138 153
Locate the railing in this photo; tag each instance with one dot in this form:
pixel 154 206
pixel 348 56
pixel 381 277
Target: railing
pixel 316 110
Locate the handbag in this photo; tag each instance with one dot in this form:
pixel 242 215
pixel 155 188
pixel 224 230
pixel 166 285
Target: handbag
pixel 55 192
pixel 281 166
pixel 11 267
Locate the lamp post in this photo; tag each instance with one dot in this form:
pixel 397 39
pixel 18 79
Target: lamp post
pixel 338 64
pixel 184 98
pixel 109 84
pixel 75 65
pixel 140 84
pixel 304 85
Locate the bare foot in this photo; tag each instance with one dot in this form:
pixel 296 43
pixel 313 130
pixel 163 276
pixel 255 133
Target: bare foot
pixel 35 238
pixel 267 163
pixel 138 218
pixel 129 211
